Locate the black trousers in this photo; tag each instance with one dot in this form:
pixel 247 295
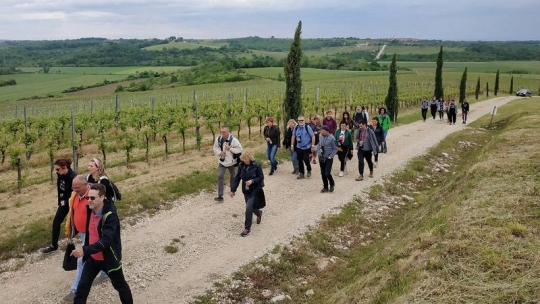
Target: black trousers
pixel 90 271
pixel 367 156
pixel 61 213
pixel 452 116
pixel 342 156
pixel 250 200
pixel 424 114
pixel 326 172
pixel 464 115
pixel 441 114
pixel 433 112
pixel 303 158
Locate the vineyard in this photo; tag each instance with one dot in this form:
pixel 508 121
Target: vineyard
pixel 146 125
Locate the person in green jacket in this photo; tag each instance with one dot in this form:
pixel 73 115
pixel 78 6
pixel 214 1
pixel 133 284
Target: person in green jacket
pixel 384 121
pixel 345 144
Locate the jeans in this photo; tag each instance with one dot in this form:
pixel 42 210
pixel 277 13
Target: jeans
pixel 441 114
pixel 303 158
pixel 294 160
pixel 221 176
pixel 271 151
pixel 250 200
pixel 326 172
pixel 80 266
pixel 91 269
pixel 59 217
pixel 367 156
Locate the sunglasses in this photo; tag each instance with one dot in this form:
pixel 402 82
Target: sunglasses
pixel 57 169
pixel 300 120
pixel 91 198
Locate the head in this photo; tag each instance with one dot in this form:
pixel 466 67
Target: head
pixel 359 109
pixel 301 120
pixel 374 121
pixel 345 115
pixel 324 130
pixel 246 157
pixel 96 167
pixel 270 121
pixel 329 113
pixel 291 123
pixel 382 111
pixel 362 125
pixel 343 126
pixel 62 165
pixel 225 132
pixel 363 108
pixel 80 185
pixel 96 197
pixel 316 119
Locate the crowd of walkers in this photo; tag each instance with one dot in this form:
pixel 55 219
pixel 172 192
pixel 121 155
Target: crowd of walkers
pixel 444 106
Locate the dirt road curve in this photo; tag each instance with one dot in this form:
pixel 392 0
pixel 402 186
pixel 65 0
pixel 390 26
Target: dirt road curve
pixel 211 247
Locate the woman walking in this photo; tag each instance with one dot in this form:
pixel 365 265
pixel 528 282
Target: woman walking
pixel 384 121
pixel 97 175
pixel 441 109
pixel 349 122
pixel 345 144
pixel 64 179
pixel 367 145
pixel 377 130
pixel 433 105
pixel 251 178
pixel 272 134
pixel 330 122
pixel 291 124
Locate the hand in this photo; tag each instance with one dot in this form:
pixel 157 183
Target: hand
pixel 232 194
pixel 228 147
pixel 292 148
pixel 78 253
pixel 222 154
pixel 249 182
pixel 267 139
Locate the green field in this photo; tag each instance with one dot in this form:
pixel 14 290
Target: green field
pixel 532 67
pixel 186 45
pixel 423 50
pixel 129 70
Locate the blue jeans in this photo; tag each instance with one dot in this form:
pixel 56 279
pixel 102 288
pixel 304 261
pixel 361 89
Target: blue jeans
pixel 80 267
pixel 294 160
pixel 271 151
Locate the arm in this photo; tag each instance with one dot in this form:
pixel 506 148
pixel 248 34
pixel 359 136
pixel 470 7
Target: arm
pixel 259 175
pixel 236 147
pixel 334 148
pixel 68 228
pixel 217 149
pixel 236 180
pixel 109 229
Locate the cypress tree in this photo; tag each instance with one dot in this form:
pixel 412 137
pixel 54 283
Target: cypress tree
pixel 292 105
pixel 439 91
pixel 391 100
pixel 463 86
pixel 487 89
pixel 496 88
pixel 511 85
pixel 477 91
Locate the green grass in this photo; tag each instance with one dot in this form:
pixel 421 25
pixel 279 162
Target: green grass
pixel 473 67
pixel 423 50
pixel 470 235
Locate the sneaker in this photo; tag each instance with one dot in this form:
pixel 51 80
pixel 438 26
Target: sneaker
pixel 218 199
pixel 331 188
pixel 300 176
pixel 294 172
pixel 259 218
pixel 370 173
pixel 100 279
pixel 340 174
pixel 359 178
pixel 48 249
pixel 70 297
pixel 309 174
pixel 375 164
pixel 244 233
pixel 324 190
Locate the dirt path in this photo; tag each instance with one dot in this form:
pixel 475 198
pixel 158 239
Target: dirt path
pixel 381 51
pixel 210 247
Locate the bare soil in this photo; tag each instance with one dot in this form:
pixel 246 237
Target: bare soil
pixel 210 247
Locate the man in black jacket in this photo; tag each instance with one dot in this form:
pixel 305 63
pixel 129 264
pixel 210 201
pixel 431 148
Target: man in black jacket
pixel 102 248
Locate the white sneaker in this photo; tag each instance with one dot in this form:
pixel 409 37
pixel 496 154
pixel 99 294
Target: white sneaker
pixel 340 173
pixel 375 164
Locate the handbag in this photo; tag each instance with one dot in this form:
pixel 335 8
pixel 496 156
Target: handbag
pixel 260 200
pixel 70 262
pixel 350 154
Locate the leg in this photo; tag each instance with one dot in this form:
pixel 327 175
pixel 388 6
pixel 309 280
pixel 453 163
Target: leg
pixel 367 156
pixel 232 174
pixel 306 154
pixel 268 154
pixel 294 160
pixel 119 283
pixel 91 270
pixel 300 158
pixel 250 200
pixel 360 161
pixel 273 161
pixel 79 270
pixel 328 172
pixel 385 147
pixel 322 165
pixel 221 175
pixel 59 217
pixel 341 156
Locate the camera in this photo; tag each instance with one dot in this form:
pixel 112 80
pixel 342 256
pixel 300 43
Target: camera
pixel 298 139
pixel 322 151
pixel 222 159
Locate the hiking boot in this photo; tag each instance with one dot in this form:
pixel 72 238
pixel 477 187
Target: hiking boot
pixel 48 249
pixel 100 279
pixel 300 176
pixel 340 174
pixel 218 199
pixel 370 173
pixel 324 190
pixel 70 297
pixel 244 233
pixel 309 174
pixel 332 188
pixel 259 218
pixel 294 172
pixel 359 178
pixel 271 172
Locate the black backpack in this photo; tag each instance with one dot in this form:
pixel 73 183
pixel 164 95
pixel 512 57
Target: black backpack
pixel 116 192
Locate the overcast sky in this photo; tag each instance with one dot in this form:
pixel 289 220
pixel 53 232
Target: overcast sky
pixel 427 19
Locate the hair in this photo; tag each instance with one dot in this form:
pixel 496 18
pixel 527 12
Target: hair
pixel 99 187
pixel 246 155
pixel 225 127
pixel 81 179
pixel 382 108
pixel 99 164
pixel 329 112
pixel 375 119
pixel 270 118
pixel 316 117
pixel 293 121
pixel 63 162
pixel 348 115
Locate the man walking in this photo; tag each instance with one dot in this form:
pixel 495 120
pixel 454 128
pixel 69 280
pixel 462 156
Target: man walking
pixel 464 110
pixel 303 142
pixel 367 145
pixel 228 150
pixel 102 250
pixel 327 151
pixel 424 107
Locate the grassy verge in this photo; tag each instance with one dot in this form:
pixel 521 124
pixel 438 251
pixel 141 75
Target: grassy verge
pixel 457 226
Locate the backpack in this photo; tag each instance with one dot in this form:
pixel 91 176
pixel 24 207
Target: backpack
pixel 236 156
pixel 117 195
